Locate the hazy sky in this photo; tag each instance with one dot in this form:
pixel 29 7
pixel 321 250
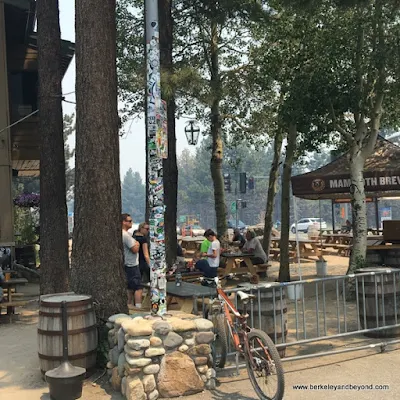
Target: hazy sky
pixel 132 147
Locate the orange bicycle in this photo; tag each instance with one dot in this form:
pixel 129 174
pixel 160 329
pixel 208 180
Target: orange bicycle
pixel 263 363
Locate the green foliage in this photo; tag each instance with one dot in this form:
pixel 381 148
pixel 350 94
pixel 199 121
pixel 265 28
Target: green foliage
pixel 25 223
pixel 133 196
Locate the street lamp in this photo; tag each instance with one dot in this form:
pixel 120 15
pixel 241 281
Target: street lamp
pixel 192 132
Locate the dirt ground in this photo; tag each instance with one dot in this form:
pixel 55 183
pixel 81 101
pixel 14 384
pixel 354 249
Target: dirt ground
pixel 21 379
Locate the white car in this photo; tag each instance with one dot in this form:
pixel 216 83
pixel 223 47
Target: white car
pixel 304 223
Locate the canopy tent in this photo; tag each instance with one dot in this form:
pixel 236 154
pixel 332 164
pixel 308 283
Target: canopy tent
pixel 332 181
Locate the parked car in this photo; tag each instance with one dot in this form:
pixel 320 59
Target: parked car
pixel 197 230
pixel 304 223
pixel 241 225
pixel 192 230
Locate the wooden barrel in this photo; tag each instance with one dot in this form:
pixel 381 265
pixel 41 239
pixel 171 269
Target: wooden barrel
pixel 82 331
pixel 392 258
pixel 374 258
pixel 379 302
pixel 273 315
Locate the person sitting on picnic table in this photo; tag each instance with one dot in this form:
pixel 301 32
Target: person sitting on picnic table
pixel 209 266
pixel 253 247
pixel 203 266
pixel 206 243
pixel 238 239
pixel 348 227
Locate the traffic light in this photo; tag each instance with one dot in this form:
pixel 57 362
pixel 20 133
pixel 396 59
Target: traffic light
pixel 251 183
pixel 242 182
pixel 244 204
pixel 227 182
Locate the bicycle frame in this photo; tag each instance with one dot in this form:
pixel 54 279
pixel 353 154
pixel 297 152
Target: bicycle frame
pixel 237 337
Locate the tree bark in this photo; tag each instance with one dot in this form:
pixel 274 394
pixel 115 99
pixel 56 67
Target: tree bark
pixel 284 269
pixel 97 260
pixel 169 165
pixel 359 208
pixel 362 146
pixel 53 208
pixel 217 144
pixel 272 189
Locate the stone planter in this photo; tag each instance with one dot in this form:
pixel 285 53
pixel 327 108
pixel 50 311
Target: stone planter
pixel 153 357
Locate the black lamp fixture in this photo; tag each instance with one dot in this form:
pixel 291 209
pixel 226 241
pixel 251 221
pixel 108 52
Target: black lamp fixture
pixel 192 132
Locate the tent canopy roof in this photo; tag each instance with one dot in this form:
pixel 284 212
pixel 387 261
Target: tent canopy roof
pixel 381 176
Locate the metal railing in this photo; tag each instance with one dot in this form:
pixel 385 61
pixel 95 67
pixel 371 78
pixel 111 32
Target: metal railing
pixel 315 310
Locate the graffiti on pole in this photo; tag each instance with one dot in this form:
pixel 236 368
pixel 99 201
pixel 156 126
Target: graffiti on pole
pixel 157 150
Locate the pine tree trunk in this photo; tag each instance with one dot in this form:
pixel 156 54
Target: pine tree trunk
pixel 97 261
pixel 217 144
pixel 284 269
pixel 54 261
pixel 272 189
pixel 169 165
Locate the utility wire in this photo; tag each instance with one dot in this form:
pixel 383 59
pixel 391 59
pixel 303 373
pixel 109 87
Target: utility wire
pixel 20 120
pixel 34 112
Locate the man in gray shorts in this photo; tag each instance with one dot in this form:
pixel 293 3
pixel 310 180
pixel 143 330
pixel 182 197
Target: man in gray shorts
pixel 131 263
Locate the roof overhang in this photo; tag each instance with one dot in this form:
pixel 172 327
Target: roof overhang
pixel 332 181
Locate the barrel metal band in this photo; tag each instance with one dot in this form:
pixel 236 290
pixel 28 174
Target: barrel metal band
pixel 69 304
pixel 71 332
pixel 70 313
pixel 70 357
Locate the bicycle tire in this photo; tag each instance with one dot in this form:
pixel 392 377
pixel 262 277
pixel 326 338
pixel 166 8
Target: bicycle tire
pixel 273 353
pixel 220 344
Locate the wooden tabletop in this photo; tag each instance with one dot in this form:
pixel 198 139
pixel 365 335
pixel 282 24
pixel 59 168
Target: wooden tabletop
pixel 300 240
pixel 188 290
pixel 236 255
pixel 193 238
pixel 14 282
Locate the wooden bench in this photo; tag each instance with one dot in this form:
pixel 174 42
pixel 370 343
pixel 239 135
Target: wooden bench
pixel 14 295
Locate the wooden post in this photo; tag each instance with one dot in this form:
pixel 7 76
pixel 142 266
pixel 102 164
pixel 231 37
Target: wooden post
pixel 6 205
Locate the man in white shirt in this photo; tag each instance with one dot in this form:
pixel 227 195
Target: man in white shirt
pixel 131 263
pixel 254 247
pixel 209 266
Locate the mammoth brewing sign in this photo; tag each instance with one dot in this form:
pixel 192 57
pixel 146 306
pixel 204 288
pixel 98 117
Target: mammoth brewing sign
pixel 304 185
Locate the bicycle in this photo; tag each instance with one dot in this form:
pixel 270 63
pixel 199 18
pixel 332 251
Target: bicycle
pixel 262 358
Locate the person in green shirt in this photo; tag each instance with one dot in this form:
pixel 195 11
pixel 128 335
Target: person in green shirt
pixel 206 243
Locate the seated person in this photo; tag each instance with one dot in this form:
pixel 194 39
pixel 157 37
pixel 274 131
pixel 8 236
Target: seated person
pixel 238 239
pixel 347 228
pixel 206 243
pixel 202 265
pixel 209 265
pixel 253 247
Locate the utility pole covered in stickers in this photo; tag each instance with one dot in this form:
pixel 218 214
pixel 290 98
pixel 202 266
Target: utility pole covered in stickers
pixel 157 150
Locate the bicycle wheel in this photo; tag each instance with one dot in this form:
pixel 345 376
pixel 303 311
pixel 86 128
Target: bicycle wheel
pixel 264 366
pixel 220 344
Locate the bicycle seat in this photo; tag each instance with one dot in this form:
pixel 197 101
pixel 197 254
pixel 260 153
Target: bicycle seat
pixel 244 296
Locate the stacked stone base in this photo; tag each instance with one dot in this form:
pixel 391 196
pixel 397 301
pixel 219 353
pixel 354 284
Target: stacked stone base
pixel 153 357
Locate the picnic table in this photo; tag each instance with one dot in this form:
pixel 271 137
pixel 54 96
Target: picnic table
pixel 343 242
pixel 192 243
pixel 233 264
pixel 307 247
pixel 187 294
pixel 11 298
